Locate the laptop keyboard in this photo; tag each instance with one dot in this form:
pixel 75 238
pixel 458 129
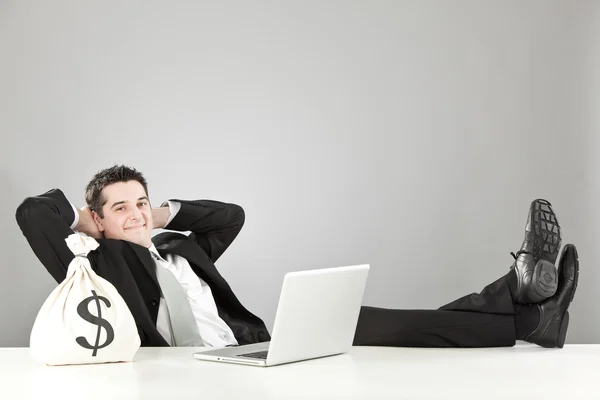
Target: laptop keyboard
pixel 258 354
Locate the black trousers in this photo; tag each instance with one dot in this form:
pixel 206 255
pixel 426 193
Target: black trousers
pixel 486 319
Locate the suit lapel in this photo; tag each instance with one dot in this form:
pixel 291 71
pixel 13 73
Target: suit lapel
pixel 181 245
pixel 146 259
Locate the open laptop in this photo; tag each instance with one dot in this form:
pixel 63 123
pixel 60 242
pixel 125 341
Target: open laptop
pixel 316 317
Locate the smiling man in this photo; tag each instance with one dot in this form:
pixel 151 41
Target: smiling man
pixel 178 298
pixel 169 282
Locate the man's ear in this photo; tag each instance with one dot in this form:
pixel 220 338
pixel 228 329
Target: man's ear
pixel 98 221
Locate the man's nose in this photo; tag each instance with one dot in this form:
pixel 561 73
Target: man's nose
pixel 135 214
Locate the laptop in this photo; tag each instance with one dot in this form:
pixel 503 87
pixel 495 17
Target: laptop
pixel 316 317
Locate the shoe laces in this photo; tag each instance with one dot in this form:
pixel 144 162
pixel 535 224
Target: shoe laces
pixel 519 253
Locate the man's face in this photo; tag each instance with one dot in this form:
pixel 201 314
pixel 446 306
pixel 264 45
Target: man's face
pixel 127 213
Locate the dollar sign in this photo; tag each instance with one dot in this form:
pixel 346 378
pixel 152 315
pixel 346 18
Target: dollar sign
pixel 82 310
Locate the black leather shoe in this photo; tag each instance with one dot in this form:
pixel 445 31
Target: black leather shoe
pixel 554 317
pixel 534 262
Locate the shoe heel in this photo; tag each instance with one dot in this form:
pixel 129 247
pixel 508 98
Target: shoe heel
pixel 562 333
pixel 545 279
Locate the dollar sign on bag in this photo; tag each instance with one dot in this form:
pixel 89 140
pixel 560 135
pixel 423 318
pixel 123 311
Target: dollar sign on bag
pixel 82 310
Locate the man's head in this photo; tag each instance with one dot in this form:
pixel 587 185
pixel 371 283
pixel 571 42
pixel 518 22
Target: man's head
pixel 118 198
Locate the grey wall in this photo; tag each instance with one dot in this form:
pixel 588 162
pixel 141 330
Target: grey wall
pixel 408 135
pixel 588 309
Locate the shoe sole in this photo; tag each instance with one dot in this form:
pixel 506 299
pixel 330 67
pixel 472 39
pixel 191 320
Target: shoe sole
pixel 562 333
pixel 547 231
pixel 544 280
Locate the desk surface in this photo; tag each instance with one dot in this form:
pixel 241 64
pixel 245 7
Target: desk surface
pixel 521 372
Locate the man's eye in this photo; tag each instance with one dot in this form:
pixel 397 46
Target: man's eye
pixel 120 208
pixel 143 204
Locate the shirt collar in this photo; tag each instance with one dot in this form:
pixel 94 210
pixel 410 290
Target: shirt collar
pixel 155 252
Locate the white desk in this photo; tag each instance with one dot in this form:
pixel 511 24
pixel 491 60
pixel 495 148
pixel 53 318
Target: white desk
pixel 522 372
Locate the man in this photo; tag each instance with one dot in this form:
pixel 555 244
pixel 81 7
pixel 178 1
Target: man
pixel 529 303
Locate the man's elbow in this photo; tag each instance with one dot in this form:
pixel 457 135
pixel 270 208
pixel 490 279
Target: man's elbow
pixel 27 211
pixel 239 216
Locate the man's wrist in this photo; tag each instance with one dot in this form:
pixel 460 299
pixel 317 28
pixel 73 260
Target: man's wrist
pixel 160 216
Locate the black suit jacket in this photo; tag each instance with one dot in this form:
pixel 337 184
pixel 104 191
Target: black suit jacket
pixel 45 221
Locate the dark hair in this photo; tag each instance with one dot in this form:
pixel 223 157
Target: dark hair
pixel 108 176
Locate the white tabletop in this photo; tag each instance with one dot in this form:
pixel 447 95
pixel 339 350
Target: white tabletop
pixel 521 372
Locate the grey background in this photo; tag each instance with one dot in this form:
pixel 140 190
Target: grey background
pixel 411 135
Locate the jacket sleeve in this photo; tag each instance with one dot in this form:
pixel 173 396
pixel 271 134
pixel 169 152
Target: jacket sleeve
pixel 45 221
pixel 214 225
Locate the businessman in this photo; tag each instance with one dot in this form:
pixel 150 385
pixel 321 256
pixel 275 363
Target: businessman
pixel 154 274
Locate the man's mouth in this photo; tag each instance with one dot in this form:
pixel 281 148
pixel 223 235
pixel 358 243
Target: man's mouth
pixel 135 227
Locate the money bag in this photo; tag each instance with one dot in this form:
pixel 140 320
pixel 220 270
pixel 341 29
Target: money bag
pixel 84 320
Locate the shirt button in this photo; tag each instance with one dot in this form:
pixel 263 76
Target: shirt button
pixel 154 302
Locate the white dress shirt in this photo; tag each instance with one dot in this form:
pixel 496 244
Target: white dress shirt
pixel 213 330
